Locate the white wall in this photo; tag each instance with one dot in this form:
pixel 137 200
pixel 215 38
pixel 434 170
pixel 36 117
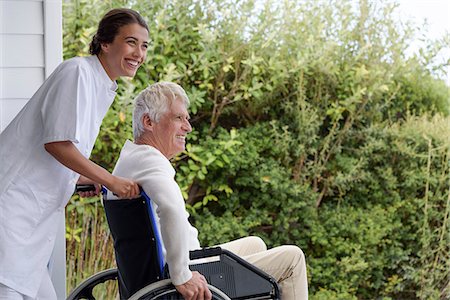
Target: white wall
pixel 21 56
pixel 30 49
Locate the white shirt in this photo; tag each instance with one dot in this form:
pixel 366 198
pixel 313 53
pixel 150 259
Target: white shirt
pixel 34 186
pixel 154 173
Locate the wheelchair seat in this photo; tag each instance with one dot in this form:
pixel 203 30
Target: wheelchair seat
pixel 141 268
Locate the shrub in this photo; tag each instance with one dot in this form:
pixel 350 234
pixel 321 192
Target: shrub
pixel 311 128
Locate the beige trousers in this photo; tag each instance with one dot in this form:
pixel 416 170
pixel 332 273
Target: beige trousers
pixel 285 263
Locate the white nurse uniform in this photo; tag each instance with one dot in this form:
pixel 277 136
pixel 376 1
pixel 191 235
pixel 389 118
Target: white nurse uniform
pixel 34 186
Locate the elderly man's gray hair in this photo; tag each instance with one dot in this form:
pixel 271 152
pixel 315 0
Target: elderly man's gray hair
pixel 155 101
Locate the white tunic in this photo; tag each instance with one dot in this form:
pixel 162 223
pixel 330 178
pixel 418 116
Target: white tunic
pixel 34 186
pixel 154 173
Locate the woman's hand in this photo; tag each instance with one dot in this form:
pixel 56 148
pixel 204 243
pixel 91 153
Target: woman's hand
pixel 67 154
pixel 124 188
pixel 91 193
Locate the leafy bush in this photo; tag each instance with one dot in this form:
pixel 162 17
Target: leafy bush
pixel 311 128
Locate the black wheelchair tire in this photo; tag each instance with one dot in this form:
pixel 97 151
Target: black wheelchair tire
pixel 84 290
pixel 165 290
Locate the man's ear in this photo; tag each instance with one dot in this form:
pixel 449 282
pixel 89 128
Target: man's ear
pixel 147 122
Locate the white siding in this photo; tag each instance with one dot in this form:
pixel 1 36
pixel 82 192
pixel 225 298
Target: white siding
pixel 21 83
pixel 22 17
pixel 30 49
pixel 23 50
pixel 22 55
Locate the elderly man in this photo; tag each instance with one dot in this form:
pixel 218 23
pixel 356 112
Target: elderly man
pixel 160 125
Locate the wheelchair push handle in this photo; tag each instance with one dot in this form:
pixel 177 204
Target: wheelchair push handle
pixel 84 188
pixel 90 188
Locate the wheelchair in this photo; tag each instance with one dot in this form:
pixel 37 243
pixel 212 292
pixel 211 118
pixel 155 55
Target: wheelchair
pixel 142 274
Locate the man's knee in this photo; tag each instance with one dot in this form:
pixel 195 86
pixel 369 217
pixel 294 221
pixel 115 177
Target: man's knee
pixel 256 242
pixel 293 253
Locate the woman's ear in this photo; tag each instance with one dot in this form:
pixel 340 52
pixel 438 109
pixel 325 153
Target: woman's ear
pixel 104 47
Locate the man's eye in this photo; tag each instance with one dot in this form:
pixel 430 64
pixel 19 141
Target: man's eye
pixel 131 42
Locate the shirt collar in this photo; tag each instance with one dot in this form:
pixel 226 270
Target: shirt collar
pixel 104 76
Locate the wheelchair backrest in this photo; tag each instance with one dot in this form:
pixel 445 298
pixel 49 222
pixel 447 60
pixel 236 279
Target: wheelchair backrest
pixel 137 243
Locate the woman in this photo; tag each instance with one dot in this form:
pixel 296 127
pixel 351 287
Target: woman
pixel 46 148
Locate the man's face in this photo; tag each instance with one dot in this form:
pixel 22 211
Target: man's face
pixel 171 130
pixel 127 52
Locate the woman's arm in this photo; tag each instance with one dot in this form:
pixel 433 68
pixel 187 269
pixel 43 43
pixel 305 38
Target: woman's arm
pixel 66 153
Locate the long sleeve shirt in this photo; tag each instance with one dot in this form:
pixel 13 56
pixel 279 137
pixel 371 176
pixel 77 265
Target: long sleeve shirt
pixel 154 173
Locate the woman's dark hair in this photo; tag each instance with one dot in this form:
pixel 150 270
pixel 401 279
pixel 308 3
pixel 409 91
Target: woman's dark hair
pixel 109 27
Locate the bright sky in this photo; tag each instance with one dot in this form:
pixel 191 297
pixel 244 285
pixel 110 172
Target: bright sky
pixel 437 15
pixel 436 12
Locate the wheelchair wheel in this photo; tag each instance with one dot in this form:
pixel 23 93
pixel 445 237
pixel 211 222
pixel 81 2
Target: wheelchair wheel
pixel 86 288
pixel 164 290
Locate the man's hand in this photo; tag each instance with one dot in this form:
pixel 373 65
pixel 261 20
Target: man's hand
pixel 195 289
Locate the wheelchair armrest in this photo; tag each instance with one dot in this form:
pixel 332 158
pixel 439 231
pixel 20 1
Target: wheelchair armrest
pixel 203 253
pixel 261 281
pixel 248 265
pixel 217 251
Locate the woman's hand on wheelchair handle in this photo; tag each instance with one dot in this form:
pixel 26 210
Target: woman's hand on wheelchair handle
pixel 88 192
pixel 124 188
pixel 195 289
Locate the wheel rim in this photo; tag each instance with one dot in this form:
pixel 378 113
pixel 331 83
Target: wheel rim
pixel 164 288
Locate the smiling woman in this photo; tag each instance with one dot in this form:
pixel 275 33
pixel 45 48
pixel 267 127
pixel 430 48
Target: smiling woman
pixel 128 50
pixel 46 148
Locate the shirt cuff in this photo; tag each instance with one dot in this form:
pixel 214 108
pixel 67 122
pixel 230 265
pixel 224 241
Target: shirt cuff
pixel 52 139
pixel 181 278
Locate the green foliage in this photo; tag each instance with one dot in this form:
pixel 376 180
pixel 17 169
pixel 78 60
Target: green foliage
pixel 311 128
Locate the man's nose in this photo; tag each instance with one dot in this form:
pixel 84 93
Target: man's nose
pixel 187 126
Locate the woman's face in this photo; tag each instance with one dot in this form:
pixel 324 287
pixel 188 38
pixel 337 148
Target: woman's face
pixel 126 53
